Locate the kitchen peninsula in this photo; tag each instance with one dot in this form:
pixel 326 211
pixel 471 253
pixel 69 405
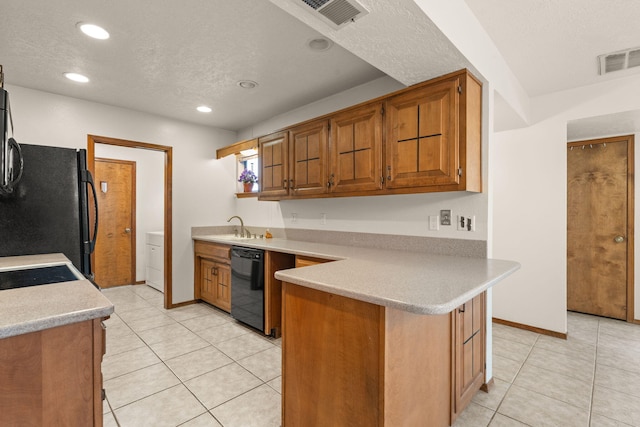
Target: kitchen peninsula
pixel 51 347
pixel 379 337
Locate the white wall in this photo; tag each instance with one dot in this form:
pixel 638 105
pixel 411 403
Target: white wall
pixel 149 193
pixel 398 214
pixel 529 201
pixel 202 187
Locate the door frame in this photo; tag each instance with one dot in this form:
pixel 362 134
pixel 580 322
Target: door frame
pixel 133 209
pixel 630 237
pixel 168 174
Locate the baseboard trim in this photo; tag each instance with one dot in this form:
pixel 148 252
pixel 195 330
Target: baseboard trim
pixel 488 386
pixel 182 304
pixel 141 282
pixel 530 328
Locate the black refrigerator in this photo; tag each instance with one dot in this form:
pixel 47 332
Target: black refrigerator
pixel 48 209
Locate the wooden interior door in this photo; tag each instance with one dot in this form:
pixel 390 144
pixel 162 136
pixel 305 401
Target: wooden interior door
pixel 116 242
pixel 600 227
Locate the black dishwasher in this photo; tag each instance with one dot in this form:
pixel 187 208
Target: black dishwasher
pixel 247 286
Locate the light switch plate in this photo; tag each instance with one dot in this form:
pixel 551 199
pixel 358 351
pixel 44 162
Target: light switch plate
pixel 445 217
pixel 434 222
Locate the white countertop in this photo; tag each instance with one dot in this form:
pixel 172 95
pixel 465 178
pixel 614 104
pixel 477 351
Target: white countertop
pixel 420 283
pixel 34 308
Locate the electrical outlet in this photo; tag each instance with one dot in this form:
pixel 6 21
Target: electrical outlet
pixel 445 217
pixel 434 222
pixel 294 217
pixel 466 223
pixel 323 218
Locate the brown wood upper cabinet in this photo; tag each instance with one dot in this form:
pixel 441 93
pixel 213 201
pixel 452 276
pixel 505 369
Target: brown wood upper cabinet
pixel 274 164
pixel 308 164
pixel 431 137
pixel 424 138
pixel 356 149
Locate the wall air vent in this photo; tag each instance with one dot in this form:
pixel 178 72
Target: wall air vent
pixel 617 61
pixel 336 13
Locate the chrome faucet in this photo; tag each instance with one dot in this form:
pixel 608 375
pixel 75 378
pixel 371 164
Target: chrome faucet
pixel 243 230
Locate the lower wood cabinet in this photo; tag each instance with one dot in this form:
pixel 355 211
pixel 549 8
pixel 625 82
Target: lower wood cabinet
pixel 352 363
pixel 469 351
pixel 212 278
pixel 53 377
pixel 273 262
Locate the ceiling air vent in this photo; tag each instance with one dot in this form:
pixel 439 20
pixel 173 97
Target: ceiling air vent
pixel 336 13
pixel 617 61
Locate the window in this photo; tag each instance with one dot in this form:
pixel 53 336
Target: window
pixel 249 162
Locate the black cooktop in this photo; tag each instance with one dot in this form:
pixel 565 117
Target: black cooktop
pixel 35 276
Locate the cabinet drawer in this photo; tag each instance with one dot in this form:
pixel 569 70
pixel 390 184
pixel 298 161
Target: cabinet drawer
pixel 213 250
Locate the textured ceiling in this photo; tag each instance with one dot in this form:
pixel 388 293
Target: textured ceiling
pixel 552 45
pixel 167 58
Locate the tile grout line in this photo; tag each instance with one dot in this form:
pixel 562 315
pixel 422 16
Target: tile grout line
pixel 181 382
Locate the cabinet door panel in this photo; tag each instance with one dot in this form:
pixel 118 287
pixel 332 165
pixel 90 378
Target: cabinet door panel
pixel 207 289
pixel 422 136
pixel 356 141
pixel 223 286
pixel 273 168
pixel 309 158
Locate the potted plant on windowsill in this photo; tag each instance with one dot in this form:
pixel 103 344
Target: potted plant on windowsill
pixel 248 178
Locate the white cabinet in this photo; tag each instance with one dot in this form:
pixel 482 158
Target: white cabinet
pixel 154 254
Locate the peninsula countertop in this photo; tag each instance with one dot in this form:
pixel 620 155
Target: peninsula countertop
pixel 416 282
pixel 34 308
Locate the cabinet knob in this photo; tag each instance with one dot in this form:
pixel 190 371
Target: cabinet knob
pixel 330 182
pixel 127 230
pixel 618 239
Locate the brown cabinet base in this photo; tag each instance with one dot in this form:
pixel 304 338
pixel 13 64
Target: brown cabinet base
pixel 212 274
pixel 53 376
pixel 351 363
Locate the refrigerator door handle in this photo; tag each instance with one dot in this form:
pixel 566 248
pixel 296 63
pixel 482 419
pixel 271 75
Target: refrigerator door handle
pixel 92 241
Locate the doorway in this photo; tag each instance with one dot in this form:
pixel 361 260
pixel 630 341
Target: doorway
pixel 115 260
pixel 167 184
pixel 600 244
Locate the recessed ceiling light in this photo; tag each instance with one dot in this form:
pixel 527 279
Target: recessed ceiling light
pixel 77 77
pixel 94 31
pixel 247 84
pixel 204 109
pixel 320 44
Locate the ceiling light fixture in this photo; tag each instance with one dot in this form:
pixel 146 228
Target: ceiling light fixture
pixel 204 109
pixel 319 44
pixel 247 84
pixel 93 31
pixel 77 77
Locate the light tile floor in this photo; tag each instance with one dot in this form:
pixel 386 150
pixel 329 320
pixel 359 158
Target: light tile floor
pixel 195 366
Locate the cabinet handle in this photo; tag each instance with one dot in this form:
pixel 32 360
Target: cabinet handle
pixel 330 182
pixel 214 271
pixel 284 183
pixel 388 173
pixel 290 183
pixel 463 308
